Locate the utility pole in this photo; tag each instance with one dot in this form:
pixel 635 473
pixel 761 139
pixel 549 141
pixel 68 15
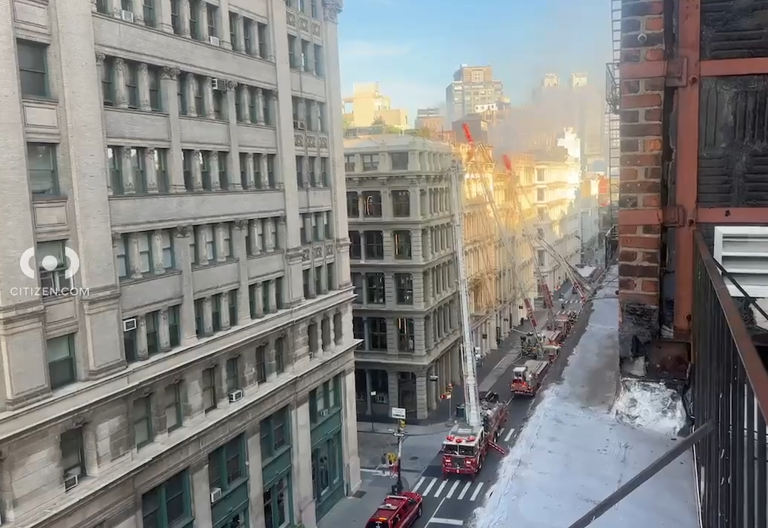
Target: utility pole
pixel 397 488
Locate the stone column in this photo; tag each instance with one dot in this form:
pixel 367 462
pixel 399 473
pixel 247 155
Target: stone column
pixel 303 495
pixel 224 311
pixel 184 12
pixel 393 385
pixel 245 112
pixel 272 296
pixel 243 306
pixel 201 494
pixel 141 338
pixel 422 410
pixel 126 171
pixel 202 16
pixel 150 171
pixel 169 90
pixel 264 171
pixel 224 25
pixel 183 259
pixel 133 255
pixel 191 93
pixel 213 170
pixel 432 388
pixel 144 104
pixel 269 236
pixel 197 174
pixel 121 94
pixel 259 106
pixel 249 175
pixel 349 435
pixel 256 245
pixel 254 29
pixel 220 241
pixel 164 331
pixel 256 500
pixel 259 294
pixel 207 316
pixel 208 98
pixel 239 44
pixel 200 246
pixel 157 253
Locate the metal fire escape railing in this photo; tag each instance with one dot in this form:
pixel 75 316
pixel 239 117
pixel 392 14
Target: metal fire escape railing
pixel 727 402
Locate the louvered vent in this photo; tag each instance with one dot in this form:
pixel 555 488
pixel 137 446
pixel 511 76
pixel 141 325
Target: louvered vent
pixel 743 252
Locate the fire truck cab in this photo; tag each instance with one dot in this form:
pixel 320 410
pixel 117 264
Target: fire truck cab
pixel 463 451
pixel 397 511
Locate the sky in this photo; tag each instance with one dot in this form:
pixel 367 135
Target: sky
pixel 413 47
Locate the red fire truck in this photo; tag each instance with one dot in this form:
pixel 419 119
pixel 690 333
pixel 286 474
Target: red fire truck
pixel 397 511
pixel 528 378
pixel 466 447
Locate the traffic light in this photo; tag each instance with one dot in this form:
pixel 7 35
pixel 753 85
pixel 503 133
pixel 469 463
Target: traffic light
pixel 402 425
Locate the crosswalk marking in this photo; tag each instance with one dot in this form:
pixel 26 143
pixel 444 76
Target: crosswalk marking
pixel 453 488
pixel 440 489
pixel 429 487
pixel 465 490
pixel 477 491
pixel 509 434
pixel 418 484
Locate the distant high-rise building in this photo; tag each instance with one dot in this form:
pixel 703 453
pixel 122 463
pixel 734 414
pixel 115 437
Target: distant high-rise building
pixel 430 118
pixel 472 86
pixel 368 105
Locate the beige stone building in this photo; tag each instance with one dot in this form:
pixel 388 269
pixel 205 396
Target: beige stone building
pixel 177 347
pixel 368 105
pixel 406 310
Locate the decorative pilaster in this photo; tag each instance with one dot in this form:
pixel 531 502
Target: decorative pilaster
pixel 134 256
pixel 121 94
pixel 163 331
pixel 245 112
pixel 126 169
pixel 259 298
pixel 157 252
pixel 191 93
pixel 259 106
pixel 264 170
pixel 197 173
pixel 183 259
pixel 224 311
pixel 150 170
pixel 213 170
pixel 220 241
pixel 201 242
pixel 207 316
pixel 142 351
pixel 249 176
pixel 184 12
pixel 144 104
pixel 208 98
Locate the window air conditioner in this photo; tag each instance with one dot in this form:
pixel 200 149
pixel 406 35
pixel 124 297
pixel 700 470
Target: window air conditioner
pixel 70 482
pixel 129 324
pixel 235 395
pixel 299 125
pixel 215 495
pixel 381 398
pixel 213 40
pixel 126 15
pixel 323 412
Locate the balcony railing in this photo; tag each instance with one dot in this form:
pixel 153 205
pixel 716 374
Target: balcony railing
pixel 729 388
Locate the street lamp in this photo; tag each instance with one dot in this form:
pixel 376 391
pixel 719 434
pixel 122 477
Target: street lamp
pixel 373 395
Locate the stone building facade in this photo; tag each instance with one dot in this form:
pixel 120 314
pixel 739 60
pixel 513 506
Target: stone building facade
pixel 173 351
pixel 406 310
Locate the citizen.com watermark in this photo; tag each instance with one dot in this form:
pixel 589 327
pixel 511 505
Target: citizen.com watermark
pixel 55 274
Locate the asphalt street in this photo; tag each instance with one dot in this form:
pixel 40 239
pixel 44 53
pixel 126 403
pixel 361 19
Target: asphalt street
pixel 451 502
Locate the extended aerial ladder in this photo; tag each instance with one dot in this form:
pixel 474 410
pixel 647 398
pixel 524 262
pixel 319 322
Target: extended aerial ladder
pixel 473 160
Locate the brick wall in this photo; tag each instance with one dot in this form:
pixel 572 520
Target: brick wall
pixel 642 41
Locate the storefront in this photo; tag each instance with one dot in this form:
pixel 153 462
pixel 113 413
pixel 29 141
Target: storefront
pixel 327 456
pixel 276 470
pixel 228 476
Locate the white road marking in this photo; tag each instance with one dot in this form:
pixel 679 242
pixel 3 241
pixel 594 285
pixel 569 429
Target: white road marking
pixel 434 515
pixel 509 434
pixel 418 484
pixel 453 489
pixel 501 431
pixel 431 483
pixel 465 490
pixel 440 489
pixel 452 522
pixel 477 491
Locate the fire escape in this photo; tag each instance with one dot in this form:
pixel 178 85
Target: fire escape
pixel 610 218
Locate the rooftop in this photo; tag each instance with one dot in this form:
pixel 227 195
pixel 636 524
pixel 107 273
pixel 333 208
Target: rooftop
pixel 582 442
pixel 381 142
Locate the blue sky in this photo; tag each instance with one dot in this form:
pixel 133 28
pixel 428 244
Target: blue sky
pixel 413 46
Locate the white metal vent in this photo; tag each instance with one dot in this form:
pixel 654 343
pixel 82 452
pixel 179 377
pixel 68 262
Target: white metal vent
pixel 743 252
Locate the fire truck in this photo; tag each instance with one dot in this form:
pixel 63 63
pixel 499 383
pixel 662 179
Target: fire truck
pixel 397 511
pixel 465 448
pixel 528 379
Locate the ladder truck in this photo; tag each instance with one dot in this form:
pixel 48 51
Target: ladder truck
pixel 465 448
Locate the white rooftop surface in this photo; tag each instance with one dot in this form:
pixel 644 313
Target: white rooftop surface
pixel 586 271
pixel 579 445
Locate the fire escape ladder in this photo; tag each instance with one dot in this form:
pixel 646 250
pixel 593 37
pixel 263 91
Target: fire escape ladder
pixel 613 110
pixel 497 447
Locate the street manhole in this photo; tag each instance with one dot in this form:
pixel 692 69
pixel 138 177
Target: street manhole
pixel 359 494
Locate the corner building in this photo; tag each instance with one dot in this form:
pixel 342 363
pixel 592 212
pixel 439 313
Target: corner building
pixel 406 311
pixel 206 378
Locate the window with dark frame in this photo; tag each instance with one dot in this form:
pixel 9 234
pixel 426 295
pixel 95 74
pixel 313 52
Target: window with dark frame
pixel 401 203
pixel 370 162
pixel 404 287
pixel 402 243
pixel 33 68
pixel 261 364
pixel 372 204
pixel 233 375
pixel 274 434
pixel 169 505
pixel 226 465
pixel 399 160
pixel 353 204
pixel 142 422
pixel 377 333
pixel 375 290
pixel 374 244
pixel 173 411
pixel 405 335
pixel 209 389
pixel 72 453
pixel 355 245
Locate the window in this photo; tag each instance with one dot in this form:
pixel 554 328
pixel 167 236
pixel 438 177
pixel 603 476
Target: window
pixel 149 13
pixel 218 105
pixel 60 353
pixel 405 333
pixel 247 30
pixel 56 280
pixel 155 101
pixel 293 63
pixel 173 413
pixel 216 302
pixel 370 162
pixel 404 287
pixel 138 168
pixel 142 421
pixel 540 233
pixel 274 434
pixel 194 13
pixel 540 194
pixel 199 87
pixel 358 328
pixel 209 389
pixel 107 80
pixel 349 163
pixel 402 241
pixel 541 255
pixel 375 289
pixel 102 6
pixel 357 282
pixel 280 355
pixel 132 84
pixel 372 204
pixel 181 91
pixel 261 364
pixel 330 271
pixel 277 504
pixel 226 465
pixel 199 324
pixel 355 246
pixel 130 344
pixel 261 30
pixel 399 160
pixel 42 169
pixel 169 505
pixel 213 15
pixel 145 252
pixel 115 169
pixel 313 8
pixel 233 380
pixel 33 69
pixel 323 399
pixel 232 307
pixel 72 453
pixel 377 333
pixel 318 66
pixel 541 175
pixel 401 203
pixel 161 170
pixel 175 21
pixel 374 244
pixel 541 212
pixel 153 337
pixel 174 326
